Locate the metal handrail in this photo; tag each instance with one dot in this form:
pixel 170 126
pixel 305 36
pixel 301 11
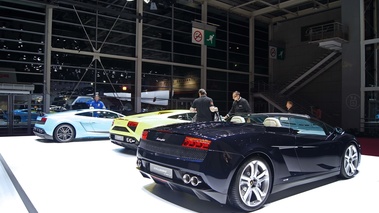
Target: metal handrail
pixel 326 31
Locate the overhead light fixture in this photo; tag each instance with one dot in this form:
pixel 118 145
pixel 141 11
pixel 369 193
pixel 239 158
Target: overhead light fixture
pixel 129 0
pixel 153 6
pixel 146 1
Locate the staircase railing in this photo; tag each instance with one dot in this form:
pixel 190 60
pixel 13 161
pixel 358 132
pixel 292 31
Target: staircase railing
pixel 328 31
pixel 312 73
pixel 270 93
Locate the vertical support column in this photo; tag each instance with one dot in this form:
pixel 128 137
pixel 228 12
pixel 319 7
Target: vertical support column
pixel 11 98
pixel 271 27
pixel 29 122
pixel 270 61
pixel 251 59
pixel 228 77
pixel 353 66
pixel 362 67
pixel 376 3
pixel 47 61
pixel 171 89
pixel 138 75
pixel 203 75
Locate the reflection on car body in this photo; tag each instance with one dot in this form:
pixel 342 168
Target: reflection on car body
pixel 241 164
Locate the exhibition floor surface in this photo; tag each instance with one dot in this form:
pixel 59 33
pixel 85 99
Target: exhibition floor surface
pixel 96 176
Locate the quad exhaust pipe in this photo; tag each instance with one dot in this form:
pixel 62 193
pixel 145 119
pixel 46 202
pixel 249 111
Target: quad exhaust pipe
pixel 194 180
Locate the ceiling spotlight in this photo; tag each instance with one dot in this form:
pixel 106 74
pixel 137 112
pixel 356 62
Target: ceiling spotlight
pixel 153 6
pixel 146 1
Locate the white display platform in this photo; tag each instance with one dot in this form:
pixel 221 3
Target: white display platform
pixel 101 177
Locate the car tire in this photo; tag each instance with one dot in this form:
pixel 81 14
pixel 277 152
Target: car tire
pixel 64 133
pixel 349 161
pixel 251 186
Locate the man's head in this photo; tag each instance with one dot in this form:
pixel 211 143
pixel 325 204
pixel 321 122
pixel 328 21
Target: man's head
pixel 202 92
pixel 97 97
pixel 236 95
pixel 289 104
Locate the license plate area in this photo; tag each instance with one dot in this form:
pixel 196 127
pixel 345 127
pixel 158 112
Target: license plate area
pixel 119 137
pixel 160 170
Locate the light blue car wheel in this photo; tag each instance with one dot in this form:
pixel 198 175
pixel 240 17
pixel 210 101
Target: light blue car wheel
pixel 64 133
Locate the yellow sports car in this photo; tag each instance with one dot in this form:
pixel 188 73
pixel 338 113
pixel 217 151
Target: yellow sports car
pixel 126 131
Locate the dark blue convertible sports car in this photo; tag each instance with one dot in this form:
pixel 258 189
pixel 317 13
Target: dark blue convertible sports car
pixel 241 164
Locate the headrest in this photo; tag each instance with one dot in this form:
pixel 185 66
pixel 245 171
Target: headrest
pixel 272 122
pixel 237 119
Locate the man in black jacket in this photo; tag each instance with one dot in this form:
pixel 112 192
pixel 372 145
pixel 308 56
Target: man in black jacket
pixel 240 106
pixel 289 106
pixel 204 107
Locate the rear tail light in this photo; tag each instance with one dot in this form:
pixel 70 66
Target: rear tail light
pixel 132 125
pixel 43 120
pixel 196 143
pixel 144 134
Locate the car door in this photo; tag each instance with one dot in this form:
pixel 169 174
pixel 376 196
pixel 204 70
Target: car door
pixel 102 121
pixel 316 152
pixel 283 141
pixel 85 119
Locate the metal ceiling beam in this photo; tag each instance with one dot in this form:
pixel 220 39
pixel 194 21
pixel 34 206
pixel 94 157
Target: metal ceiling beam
pixel 276 7
pixel 123 14
pixel 307 12
pixel 283 5
pixel 229 8
pixel 244 4
pixel 226 7
pixel 321 5
pixel 260 14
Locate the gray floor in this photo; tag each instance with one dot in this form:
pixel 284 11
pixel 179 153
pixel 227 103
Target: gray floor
pixel 98 176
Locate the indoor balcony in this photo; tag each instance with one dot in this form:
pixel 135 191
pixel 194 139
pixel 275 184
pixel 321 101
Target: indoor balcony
pixel 329 36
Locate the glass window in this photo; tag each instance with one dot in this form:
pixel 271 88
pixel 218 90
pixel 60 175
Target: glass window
pixel 372 106
pixel 21 43
pixel 187 13
pixel 84 30
pixel 185 116
pixel 304 126
pixel 216 54
pixel 111 28
pixel 107 114
pixel 86 114
pixel 185 82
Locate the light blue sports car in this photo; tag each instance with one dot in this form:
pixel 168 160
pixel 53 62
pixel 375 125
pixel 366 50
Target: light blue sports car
pixel 74 124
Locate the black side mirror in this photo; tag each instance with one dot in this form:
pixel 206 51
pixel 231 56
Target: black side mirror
pixel 338 131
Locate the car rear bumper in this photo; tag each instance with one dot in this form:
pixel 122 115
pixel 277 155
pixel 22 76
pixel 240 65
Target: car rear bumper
pixel 41 133
pixel 202 194
pixel 125 141
pixel 192 176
